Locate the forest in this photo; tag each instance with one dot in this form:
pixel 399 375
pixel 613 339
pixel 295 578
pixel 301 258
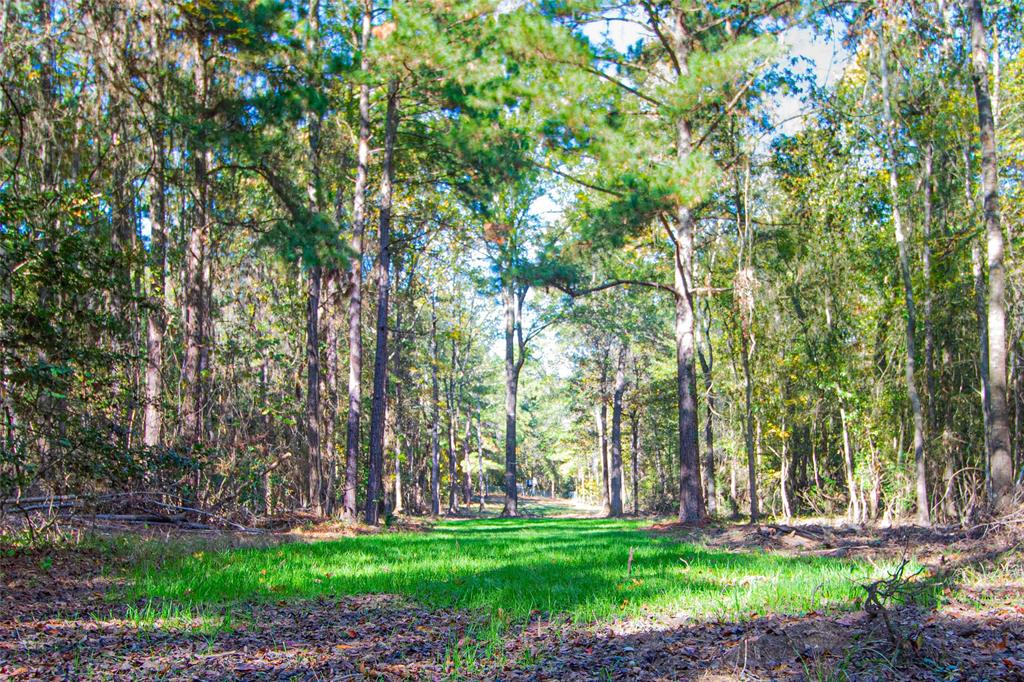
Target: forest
pixel 691 327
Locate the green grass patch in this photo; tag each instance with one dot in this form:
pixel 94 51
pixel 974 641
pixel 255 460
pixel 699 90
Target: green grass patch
pixel 511 567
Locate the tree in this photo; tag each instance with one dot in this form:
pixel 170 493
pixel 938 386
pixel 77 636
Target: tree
pixel 380 366
pixel 354 282
pixel 714 56
pixel 1000 462
pixel 923 515
pixel 616 478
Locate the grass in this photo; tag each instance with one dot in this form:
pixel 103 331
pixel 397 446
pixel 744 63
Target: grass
pixel 512 567
pixel 164 615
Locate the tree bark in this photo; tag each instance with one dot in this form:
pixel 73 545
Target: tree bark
pixel 355 283
pixel 748 424
pixel 615 501
pixel 453 425
pixel 467 484
pixel 691 503
pixel 435 446
pixel 923 515
pixel 978 273
pixel 313 469
pixel 851 483
pixel 152 429
pixel 513 365
pixel 634 454
pixel 1000 461
pixel 399 505
pixel 195 254
pixel 601 424
pixel 784 473
pixel 480 461
pixel 926 275
pixel 707 365
pixel 394 434
pixel 331 337
pixel 375 485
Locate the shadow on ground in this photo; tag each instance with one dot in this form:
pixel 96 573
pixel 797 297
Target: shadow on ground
pixel 386 638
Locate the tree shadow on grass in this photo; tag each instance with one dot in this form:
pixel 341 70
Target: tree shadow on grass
pixel 578 568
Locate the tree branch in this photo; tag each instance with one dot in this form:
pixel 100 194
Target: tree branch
pixel 574 293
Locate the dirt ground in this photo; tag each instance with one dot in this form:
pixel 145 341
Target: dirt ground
pixel 939 547
pixel 55 624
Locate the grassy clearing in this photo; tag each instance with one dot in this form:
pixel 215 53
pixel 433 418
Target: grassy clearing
pixel 511 567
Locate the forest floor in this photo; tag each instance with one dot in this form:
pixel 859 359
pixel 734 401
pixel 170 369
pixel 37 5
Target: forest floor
pixel 557 595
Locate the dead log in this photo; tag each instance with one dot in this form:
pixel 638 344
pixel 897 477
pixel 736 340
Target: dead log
pixel 137 518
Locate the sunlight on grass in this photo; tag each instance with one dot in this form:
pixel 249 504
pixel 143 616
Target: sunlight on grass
pixel 575 567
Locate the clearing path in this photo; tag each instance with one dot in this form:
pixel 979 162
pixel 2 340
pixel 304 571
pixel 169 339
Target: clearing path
pixel 549 597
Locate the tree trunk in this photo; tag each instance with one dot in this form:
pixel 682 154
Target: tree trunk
pixel 453 425
pixel 512 368
pixel 395 414
pixel 332 335
pixel 748 424
pixel 601 424
pixel 851 483
pixel 435 446
pixel 787 513
pixel 480 461
pixel 876 483
pixel 467 484
pixel 615 502
pixel 923 516
pixel 375 482
pixel 399 505
pixel 814 452
pixel 195 254
pixel 313 469
pixel 691 503
pixel 978 273
pixel 1000 461
pixel 600 454
pixel 926 275
pixel 734 505
pixel 156 322
pixel 415 469
pixel 355 284
pixel 634 453
pixel 706 366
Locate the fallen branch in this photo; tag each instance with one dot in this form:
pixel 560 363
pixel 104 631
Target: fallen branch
pixel 138 518
pixel 85 506
pixel 236 526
